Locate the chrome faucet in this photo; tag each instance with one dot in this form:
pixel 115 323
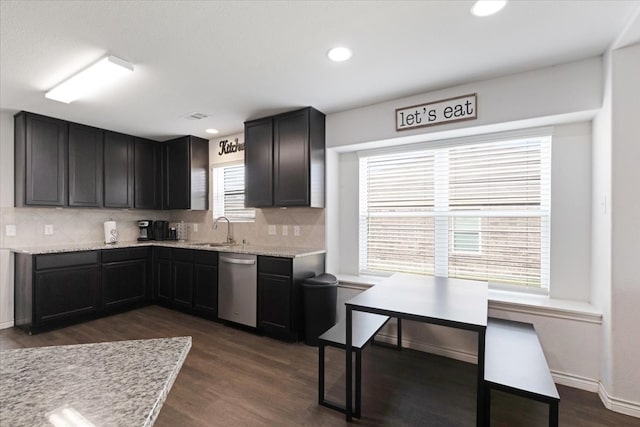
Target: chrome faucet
pixel 215 226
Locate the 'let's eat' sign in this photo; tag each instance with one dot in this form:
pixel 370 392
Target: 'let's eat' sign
pixel 437 112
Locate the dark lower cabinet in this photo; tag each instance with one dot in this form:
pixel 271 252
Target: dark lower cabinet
pixel 280 310
pixel 125 278
pixel 162 276
pixel 182 278
pixel 205 284
pixel 187 279
pixel 56 289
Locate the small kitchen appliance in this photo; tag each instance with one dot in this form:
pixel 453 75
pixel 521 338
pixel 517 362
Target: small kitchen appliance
pixel 160 230
pixel 146 230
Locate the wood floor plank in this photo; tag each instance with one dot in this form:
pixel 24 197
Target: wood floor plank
pixel 236 378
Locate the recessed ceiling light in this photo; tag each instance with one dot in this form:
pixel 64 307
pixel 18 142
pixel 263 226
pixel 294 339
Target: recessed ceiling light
pixel 211 130
pixel 339 54
pixel 487 7
pixel 90 79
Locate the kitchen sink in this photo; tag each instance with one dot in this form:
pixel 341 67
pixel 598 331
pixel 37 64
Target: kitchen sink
pixel 214 244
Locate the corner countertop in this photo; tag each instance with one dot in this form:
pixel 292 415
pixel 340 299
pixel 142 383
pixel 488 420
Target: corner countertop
pixel 275 251
pixel 122 383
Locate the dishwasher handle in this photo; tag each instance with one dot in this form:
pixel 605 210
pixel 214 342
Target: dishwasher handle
pixel 238 261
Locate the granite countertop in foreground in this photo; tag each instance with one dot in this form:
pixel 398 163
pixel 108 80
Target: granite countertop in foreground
pixel 276 251
pixel 121 383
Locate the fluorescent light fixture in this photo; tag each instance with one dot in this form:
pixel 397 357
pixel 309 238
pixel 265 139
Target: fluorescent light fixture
pixel 92 78
pixel 211 130
pixel 339 54
pixel 487 7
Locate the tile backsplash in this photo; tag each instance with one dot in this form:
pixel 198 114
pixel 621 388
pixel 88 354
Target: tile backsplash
pixel 86 225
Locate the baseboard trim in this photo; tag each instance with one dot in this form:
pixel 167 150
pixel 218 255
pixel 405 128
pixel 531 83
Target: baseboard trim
pixel 5 325
pixel 575 381
pixel 462 356
pixel 622 406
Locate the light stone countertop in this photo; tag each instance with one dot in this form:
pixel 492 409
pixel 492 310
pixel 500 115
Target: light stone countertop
pixel 121 383
pixel 275 251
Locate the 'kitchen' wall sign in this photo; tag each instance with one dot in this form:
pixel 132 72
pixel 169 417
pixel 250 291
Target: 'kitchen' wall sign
pixel 437 112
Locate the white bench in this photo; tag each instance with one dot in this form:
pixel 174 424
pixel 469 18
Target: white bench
pixel 515 363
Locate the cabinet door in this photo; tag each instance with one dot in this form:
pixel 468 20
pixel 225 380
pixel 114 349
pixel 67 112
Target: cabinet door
pixel 124 283
pixel 118 170
pixel 163 280
pixel 291 159
pixel 258 162
pixel 205 290
pixel 183 284
pixel 41 160
pixel 274 305
pixel 177 176
pixel 85 166
pixel 147 180
pixel 66 293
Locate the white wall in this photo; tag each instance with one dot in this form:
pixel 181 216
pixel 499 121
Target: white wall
pixel 567 97
pixel 625 215
pixel 6 200
pixel 568 92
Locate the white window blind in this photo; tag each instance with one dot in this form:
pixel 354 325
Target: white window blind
pixel 477 211
pixel 228 194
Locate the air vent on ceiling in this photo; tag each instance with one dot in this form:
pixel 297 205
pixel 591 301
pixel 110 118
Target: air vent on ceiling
pixel 195 116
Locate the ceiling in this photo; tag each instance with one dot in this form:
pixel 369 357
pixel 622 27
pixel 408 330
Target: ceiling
pixel 237 60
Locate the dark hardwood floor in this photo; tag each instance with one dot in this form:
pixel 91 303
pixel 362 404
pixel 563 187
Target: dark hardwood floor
pixel 236 378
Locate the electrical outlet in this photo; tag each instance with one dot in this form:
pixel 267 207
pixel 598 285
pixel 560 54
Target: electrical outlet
pixel 296 230
pixel 272 230
pixel 285 230
pixel 48 229
pixel 195 227
pixel 10 230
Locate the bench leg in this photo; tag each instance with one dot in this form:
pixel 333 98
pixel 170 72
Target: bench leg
pixel 320 373
pixel 399 333
pixel 553 414
pixel 487 408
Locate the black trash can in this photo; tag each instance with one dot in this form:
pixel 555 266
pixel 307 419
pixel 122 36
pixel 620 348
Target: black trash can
pixel 320 299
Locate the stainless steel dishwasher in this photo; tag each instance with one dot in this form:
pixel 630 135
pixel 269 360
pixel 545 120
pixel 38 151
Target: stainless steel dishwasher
pixel 238 288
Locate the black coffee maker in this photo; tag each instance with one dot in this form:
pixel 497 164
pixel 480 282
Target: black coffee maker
pixel 146 230
pixel 160 230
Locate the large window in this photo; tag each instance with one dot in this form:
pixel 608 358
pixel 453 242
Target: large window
pixel 228 194
pixel 466 210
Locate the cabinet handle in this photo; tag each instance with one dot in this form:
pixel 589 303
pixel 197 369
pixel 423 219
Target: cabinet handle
pixel 238 261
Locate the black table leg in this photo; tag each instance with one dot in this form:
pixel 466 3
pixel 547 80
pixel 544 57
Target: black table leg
pixel 320 373
pixel 553 414
pixel 349 368
pixel 399 333
pixel 358 382
pixel 481 404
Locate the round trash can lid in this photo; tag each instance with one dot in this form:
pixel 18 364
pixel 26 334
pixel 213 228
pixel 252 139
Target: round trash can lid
pixel 322 279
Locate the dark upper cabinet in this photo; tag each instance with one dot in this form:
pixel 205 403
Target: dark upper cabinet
pixel 285 160
pixel 147 170
pixel 258 161
pixel 185 163
pixel 40 160
pixel 85 165
pixel 118 170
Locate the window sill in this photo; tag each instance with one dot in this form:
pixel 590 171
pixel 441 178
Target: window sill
pixel 509 301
